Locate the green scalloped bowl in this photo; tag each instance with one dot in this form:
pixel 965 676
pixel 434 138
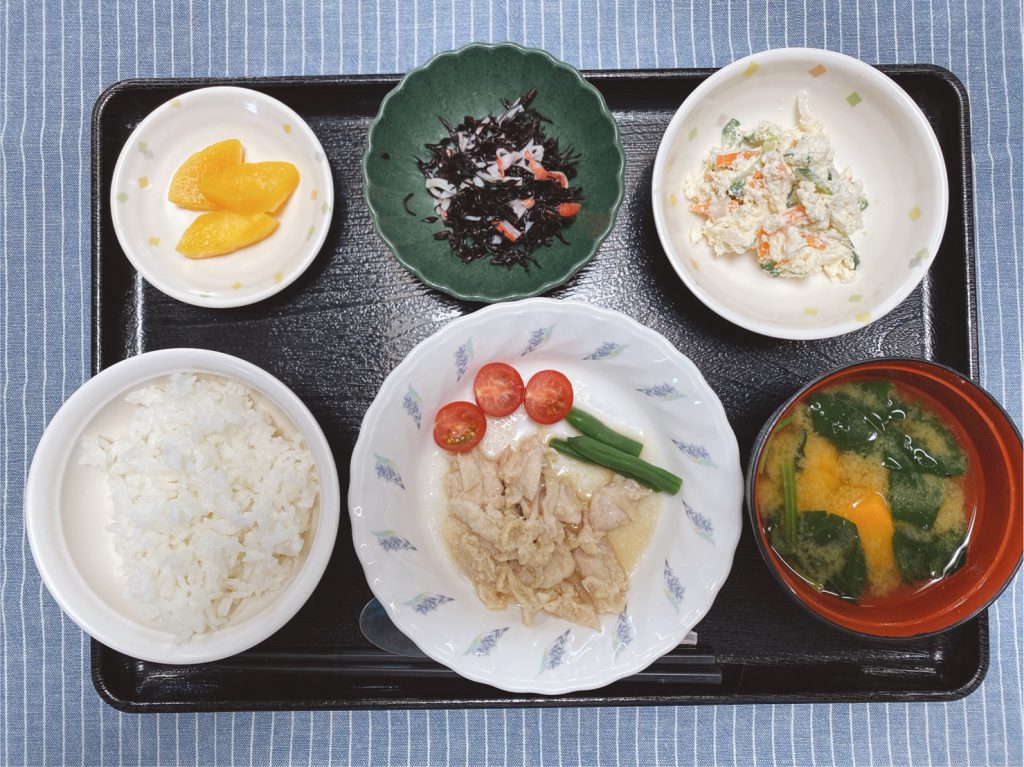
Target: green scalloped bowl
pixel 472 81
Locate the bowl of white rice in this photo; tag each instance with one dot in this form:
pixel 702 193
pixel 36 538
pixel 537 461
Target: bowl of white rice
pixel 182 506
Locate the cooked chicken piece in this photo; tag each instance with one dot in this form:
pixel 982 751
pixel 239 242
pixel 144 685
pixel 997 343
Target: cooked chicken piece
pixel 524 536
pixel 558 566
pixel 603 578
pixel 520 470
pixel 568 602
pixel 485 523
pixel 560 499
pixel 614 505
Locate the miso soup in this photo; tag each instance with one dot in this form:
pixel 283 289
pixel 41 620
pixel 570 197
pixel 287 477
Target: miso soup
pixel 866 491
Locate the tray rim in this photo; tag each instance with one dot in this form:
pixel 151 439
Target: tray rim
pixel 969 267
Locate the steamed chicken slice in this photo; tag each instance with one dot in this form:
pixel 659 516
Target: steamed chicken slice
pixel 614 505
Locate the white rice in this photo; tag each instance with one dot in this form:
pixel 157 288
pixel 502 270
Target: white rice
pixel 211 502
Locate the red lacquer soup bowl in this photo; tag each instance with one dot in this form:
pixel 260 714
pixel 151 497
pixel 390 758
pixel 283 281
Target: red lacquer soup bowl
pixel 993 482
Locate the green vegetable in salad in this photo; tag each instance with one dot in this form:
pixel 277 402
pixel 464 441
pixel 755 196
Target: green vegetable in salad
pixel 626 464
pixel 592 427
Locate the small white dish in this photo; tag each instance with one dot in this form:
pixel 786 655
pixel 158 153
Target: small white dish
pixel 67 510
pixel 876 129
pixel 148 226
pixel 630 377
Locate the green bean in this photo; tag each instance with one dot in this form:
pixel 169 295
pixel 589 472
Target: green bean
pixel 627 464
pixel 568 450
pixel 592 427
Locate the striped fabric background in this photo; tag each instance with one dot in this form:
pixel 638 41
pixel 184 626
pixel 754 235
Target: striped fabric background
pixel 57 58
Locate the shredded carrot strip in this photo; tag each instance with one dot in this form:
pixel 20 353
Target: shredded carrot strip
pixel 509 234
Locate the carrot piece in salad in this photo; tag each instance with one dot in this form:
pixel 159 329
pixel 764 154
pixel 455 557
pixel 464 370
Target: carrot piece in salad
pixel 569 209
pixel 762 243
pixel 726 160
pixel 814 241
pixel 794 214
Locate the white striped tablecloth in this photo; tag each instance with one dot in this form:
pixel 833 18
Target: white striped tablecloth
pixel 56 59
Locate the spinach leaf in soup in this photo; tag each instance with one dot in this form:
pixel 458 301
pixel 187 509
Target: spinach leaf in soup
pixel 826 550
pixel 932 448
pixel 844 422
pixel 924 555
pixel 915 497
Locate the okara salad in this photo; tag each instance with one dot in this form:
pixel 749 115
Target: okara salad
pixel 501 186
pixel 775 193
pixel 519 526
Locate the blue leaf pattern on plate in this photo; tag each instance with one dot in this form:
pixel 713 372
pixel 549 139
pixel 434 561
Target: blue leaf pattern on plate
pixel 482 644
pixel 555 653
pixel 700 523
pixel 462 357
pixel 696 453
pixel 413 405
pixel 673 588
pixel 386 471
pixel 389 540
pixel 666 392
pixel 538 338
pixel 624 632
pixel 606 351
pixel 426 603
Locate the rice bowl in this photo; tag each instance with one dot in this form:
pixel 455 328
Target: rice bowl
pixel 69 512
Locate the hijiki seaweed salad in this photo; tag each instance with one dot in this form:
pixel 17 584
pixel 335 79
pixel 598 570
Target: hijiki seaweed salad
pixel 501 187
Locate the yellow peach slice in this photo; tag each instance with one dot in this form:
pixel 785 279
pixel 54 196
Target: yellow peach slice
pixel 252 187
pixel 184 190
pixel 224 231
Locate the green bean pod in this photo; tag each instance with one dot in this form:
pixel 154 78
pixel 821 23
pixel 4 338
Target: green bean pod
pixel 627 464
pixel 592 427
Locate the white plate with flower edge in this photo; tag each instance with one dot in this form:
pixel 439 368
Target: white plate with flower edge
pixel 630 377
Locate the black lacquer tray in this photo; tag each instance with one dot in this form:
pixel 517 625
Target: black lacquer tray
pixel 335 334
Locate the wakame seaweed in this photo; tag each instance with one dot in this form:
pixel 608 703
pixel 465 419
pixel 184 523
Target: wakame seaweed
pixel 501 185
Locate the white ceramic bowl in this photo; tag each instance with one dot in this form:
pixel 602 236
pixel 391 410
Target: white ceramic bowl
pixel 876 129
pixel 630 377
pixel 67 510
pixel 148 225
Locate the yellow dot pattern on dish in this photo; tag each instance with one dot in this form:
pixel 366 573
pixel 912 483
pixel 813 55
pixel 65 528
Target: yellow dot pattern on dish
pixel 143 147
pixel 694 264
pixel 854 298
pixel 143 182
pixel 672 199
pixel 176 103
pixel 309 234
pixel 914 213
pixel 325 208
pixel 692 134
pixel 121 196
pixel 854 99
pixel 237 286
pixel 154 241
pixel 863 317
pixel 313 194
pixel 751 68
pixel 922 254
pixel 286 127
pixel 816 71
pixel 278 277
pixel 810 311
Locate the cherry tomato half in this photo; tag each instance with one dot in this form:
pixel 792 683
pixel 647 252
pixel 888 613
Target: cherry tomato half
pixel 498 389
pixel 548 397
pixel 459 426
